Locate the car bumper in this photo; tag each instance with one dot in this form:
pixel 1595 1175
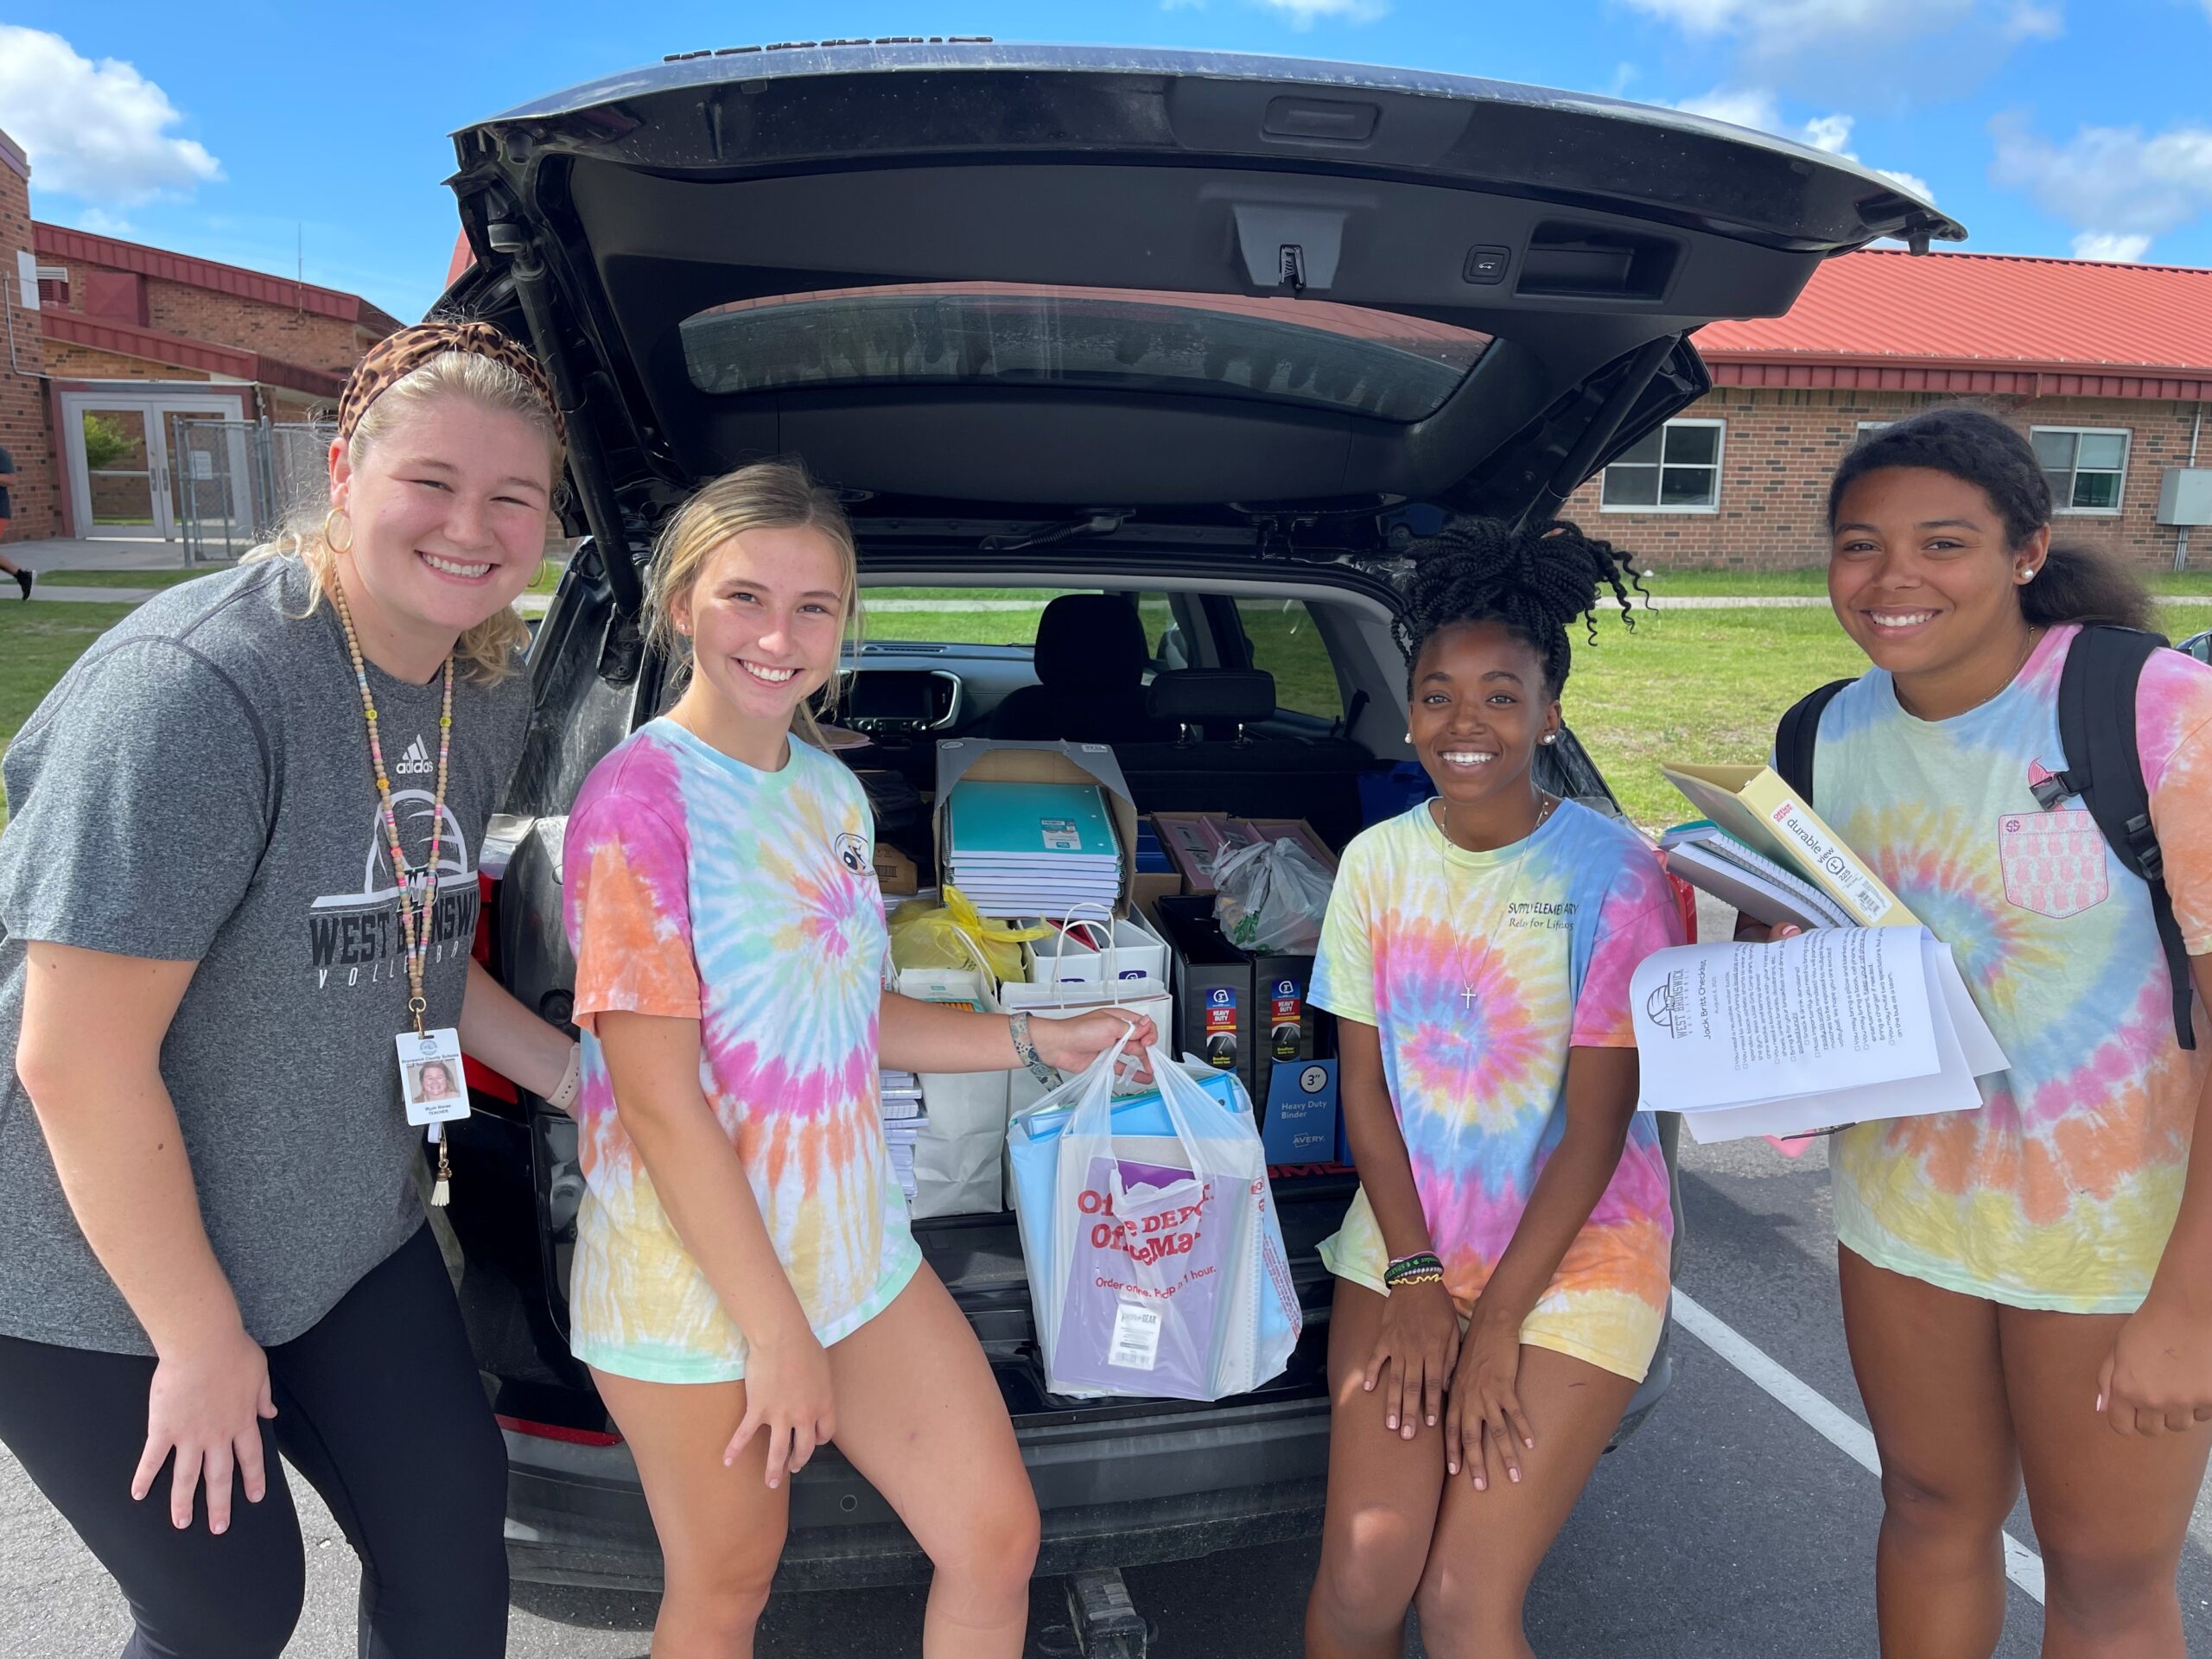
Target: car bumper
pixel 1115 1488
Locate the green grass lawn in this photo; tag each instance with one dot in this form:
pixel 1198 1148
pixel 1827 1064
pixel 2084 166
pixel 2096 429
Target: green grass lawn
pixel 1708 687
pixel 1813 583
pixel 124 578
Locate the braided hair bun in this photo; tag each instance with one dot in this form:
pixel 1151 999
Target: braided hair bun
pixel 1535 580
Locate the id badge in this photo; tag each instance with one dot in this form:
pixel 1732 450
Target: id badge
pixel 430 1080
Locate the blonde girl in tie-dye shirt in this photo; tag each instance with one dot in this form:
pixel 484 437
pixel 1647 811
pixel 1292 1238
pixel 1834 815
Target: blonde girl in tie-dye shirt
pixel 744 1284
pixel 1477 954
pixel 2021 1280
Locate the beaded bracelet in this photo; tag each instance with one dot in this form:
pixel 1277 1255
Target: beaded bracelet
pixel 1422 1268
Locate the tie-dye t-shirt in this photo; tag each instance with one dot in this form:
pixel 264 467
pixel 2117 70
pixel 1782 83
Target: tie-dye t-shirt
pixel 2060 1192
pixel 1462 961
pixel 698 887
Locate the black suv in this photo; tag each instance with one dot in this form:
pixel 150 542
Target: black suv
pixel 1216 336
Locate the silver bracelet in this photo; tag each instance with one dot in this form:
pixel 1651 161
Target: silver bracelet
pixel 1017 1028
pixel 563 1097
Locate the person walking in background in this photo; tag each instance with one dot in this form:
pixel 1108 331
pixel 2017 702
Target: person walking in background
pixel 211 1245
pixel 2024 1287
pixel 1502 1277
pixel 23 577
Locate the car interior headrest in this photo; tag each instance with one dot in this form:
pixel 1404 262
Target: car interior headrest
pixel 1212 696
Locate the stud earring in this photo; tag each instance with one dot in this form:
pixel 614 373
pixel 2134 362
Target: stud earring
pixel 1551 737
pixel 1410 737
pixel 2029 575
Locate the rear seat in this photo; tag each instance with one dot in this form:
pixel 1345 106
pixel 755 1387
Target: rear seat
pixel 1219 764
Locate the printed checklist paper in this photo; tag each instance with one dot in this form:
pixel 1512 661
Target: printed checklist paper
pixel 1836 1027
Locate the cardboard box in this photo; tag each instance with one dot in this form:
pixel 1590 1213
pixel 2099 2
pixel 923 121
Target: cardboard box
pixel 1192 839
pixel 1214 1014
pixel 988 761
pixel 894 872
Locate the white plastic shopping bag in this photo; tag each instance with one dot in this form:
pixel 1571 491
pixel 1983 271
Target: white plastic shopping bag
pixel 1155 1263
pixel 1270 897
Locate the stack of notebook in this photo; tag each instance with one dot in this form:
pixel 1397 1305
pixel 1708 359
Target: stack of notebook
pixel 904 1121
pixel 1033 849
pixel 1710 858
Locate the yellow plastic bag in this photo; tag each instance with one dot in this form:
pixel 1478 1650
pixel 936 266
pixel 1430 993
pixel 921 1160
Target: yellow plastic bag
pixel 954 935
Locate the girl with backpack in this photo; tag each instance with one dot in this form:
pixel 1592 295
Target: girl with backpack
pixel 2023 1286
pixel 1503 1274
pixel 745 1286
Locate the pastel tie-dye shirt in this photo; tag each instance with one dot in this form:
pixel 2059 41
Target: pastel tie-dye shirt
pixel 2060 1193
pixel 698 887
pixel 1463 962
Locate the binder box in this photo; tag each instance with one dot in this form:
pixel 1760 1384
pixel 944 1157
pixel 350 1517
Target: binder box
pixel 1213 987
pixel 986 761
pixel 1298 1123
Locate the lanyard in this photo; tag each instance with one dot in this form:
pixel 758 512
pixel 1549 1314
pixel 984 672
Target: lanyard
pixel 414 921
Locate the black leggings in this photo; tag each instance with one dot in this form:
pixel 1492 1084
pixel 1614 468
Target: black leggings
pixel 379 1406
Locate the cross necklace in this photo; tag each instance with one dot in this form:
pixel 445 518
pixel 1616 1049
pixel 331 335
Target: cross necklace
pixel 1467 992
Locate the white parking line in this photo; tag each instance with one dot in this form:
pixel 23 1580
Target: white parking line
pixel 2022 1565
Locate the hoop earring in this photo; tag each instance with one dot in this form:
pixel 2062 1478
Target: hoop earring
pixel 330 541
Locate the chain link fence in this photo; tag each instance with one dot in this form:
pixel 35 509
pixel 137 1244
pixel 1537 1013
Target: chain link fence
pixel 237 481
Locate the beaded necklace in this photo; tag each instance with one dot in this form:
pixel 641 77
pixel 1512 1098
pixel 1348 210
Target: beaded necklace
pixel 414 920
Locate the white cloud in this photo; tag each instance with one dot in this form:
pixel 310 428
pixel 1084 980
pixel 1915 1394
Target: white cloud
pixel 2118 186
pixel 95 130
pixel 1809 44
pixel 2105 244
pixel 100 224
pixel 1304 14
pixel 1755 107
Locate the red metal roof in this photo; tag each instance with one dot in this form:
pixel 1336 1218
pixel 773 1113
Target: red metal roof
pixel 59 244
pixel 99 334
pixel 1967 322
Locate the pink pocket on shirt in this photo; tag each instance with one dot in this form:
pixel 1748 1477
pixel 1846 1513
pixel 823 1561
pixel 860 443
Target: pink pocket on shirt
pixel 2054 862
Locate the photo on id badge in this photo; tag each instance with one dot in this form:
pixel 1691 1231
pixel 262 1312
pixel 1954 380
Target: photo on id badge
pixel 430 1077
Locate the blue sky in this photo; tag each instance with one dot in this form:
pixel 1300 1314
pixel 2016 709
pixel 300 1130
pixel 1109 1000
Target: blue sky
pixel 2048 126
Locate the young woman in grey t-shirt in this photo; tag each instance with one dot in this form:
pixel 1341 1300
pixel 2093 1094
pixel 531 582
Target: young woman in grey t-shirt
pixel 241 864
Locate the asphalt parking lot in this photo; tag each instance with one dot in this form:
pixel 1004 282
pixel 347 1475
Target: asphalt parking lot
pixel 1732 1526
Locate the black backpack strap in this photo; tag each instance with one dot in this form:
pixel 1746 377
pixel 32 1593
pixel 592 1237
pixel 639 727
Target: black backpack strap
pixel 2104 766
pixel 1795 737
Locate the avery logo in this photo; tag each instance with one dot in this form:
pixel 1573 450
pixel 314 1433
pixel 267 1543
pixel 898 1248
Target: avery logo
pixel 1669 1004
pixel 416 761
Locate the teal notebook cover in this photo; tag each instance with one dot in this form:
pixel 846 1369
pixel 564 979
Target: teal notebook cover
pixel 996 821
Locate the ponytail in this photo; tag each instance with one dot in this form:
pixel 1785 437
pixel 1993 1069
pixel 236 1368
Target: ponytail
pixel 2079 584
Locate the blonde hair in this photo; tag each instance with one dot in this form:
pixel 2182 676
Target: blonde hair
pixel 485 652
pixel 766 495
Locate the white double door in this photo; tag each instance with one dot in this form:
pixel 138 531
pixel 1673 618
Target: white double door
pixel 116 446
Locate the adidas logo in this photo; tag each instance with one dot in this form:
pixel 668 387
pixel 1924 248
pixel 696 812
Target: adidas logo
pixel 414 761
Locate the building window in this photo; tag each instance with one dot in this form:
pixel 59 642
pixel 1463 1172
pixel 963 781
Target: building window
pixel 1676 469
pixel 53 285
pixel 2086 465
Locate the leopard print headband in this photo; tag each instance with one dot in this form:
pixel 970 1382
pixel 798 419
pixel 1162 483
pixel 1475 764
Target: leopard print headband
pixel 397 356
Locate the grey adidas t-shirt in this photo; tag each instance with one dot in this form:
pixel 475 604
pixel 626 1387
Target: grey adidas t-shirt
pixel 197 788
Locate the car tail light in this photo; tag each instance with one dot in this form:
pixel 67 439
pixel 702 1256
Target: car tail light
pixel 560 1432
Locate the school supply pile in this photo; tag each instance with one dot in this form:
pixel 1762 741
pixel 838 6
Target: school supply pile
pixel 1833 1026
pixel 961 1134
pixel 1710 858
pixel 1032 849
pixel 1155 1260
pixel 904 1121
pixel 1090 962
pixel 1763 816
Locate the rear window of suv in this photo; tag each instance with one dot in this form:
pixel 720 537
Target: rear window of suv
pixel 1313 353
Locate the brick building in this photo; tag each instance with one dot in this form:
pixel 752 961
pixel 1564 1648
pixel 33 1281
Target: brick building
pixel 112 344
pixel 2108 367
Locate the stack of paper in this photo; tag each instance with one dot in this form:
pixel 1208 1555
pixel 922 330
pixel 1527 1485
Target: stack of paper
pixel 904 1119
pixel 1033 849
pixel 1822 1029
pixel 1710 858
